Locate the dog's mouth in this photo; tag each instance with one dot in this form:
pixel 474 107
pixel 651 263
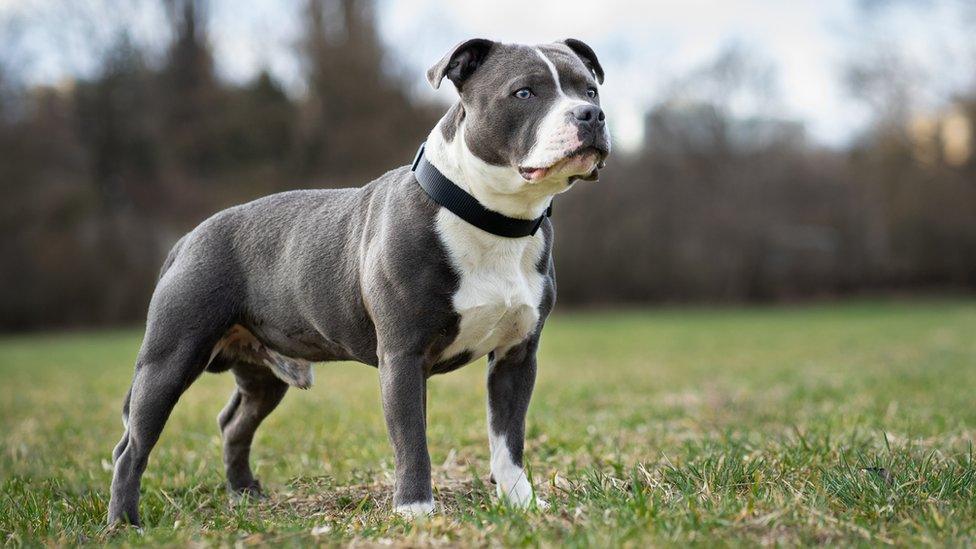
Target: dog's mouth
pixel 582 163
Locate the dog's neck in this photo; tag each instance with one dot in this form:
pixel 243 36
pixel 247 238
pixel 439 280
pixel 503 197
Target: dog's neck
pixel 498 188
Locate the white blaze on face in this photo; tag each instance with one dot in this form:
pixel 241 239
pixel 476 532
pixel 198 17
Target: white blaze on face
pixel 556 135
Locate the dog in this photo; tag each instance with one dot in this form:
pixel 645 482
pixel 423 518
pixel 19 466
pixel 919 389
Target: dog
pixel 422 271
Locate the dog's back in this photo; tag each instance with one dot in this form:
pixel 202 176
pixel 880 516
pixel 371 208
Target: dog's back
pixel 260 266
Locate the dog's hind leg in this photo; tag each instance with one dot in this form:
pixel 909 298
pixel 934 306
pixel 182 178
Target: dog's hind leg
pixel 258 393
pixel 181 331
pixel 125 426
pixel 162 374
pixel 157 385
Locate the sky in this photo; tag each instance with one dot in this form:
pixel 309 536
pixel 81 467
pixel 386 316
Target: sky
pixel 643 45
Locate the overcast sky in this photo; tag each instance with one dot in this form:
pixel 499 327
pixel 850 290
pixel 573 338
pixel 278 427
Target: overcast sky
pixel 644 45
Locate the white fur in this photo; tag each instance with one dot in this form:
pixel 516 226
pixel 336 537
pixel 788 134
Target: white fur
pixel 556 135
pixel 416 509
pixel 500 288
pixel 499 188
pixel 500 285
pixel 511 482
pixel 552 71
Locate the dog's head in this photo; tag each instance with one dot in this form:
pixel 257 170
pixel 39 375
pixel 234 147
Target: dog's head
pixel 530 113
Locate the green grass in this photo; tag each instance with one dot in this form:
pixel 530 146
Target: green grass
pixel 845 423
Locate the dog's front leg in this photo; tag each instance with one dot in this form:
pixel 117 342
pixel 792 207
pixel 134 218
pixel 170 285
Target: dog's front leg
pixel 511 378
pixel 403 383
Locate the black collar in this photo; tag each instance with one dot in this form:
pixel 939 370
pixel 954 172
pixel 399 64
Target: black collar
pixel 443 191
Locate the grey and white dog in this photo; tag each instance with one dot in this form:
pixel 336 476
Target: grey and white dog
pixel 382 275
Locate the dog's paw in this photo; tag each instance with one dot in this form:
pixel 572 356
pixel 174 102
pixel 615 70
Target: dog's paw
pixel 417 509
pixel 516 490
pixel 521 496
pixel 250 491
pixel 118 526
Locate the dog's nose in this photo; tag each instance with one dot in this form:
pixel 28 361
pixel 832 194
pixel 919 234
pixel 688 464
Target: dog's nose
pixel 590 114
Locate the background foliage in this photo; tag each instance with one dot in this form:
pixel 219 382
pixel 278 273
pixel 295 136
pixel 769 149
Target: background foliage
pixel 101 174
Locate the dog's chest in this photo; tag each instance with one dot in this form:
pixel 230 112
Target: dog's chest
pixel 499 290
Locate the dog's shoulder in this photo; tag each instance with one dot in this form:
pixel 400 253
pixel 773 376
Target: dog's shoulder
pixel 399 195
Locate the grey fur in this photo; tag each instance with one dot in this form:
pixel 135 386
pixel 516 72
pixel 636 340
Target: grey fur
pixel 500 132
pixel 587 56
pixel 268 287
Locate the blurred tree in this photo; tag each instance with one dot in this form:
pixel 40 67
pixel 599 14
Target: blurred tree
pixel 723 200
pixel 923 202
pixel 261 125
pixel 116 122
pixel 190 92
pixel 353 97
pixel 726 199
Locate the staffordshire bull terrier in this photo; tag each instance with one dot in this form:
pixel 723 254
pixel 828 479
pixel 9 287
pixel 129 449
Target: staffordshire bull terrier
pixel 422 271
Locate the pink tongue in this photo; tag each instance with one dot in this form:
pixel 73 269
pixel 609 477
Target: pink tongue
pixel 532 174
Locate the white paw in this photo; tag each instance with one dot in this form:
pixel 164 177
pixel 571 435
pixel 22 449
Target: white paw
pixel 415 510
pixel 511 482
pixel 517 492
pixel 519 499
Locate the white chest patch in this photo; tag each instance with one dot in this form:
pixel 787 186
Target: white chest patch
pixel 500 286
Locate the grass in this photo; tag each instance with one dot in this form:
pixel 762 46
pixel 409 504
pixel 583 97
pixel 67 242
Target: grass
pixel 847 423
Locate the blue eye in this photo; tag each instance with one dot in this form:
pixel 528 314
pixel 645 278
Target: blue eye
pixel 523 93
pixel 591 92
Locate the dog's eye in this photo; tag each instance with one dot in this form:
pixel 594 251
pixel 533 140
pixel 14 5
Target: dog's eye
pixel 591 92
pixel 523 93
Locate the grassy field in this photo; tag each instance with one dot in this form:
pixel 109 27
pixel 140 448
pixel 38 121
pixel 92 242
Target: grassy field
pixel 846 423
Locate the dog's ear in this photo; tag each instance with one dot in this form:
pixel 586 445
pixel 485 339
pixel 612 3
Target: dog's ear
pixel 460 62
pixel 586 54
